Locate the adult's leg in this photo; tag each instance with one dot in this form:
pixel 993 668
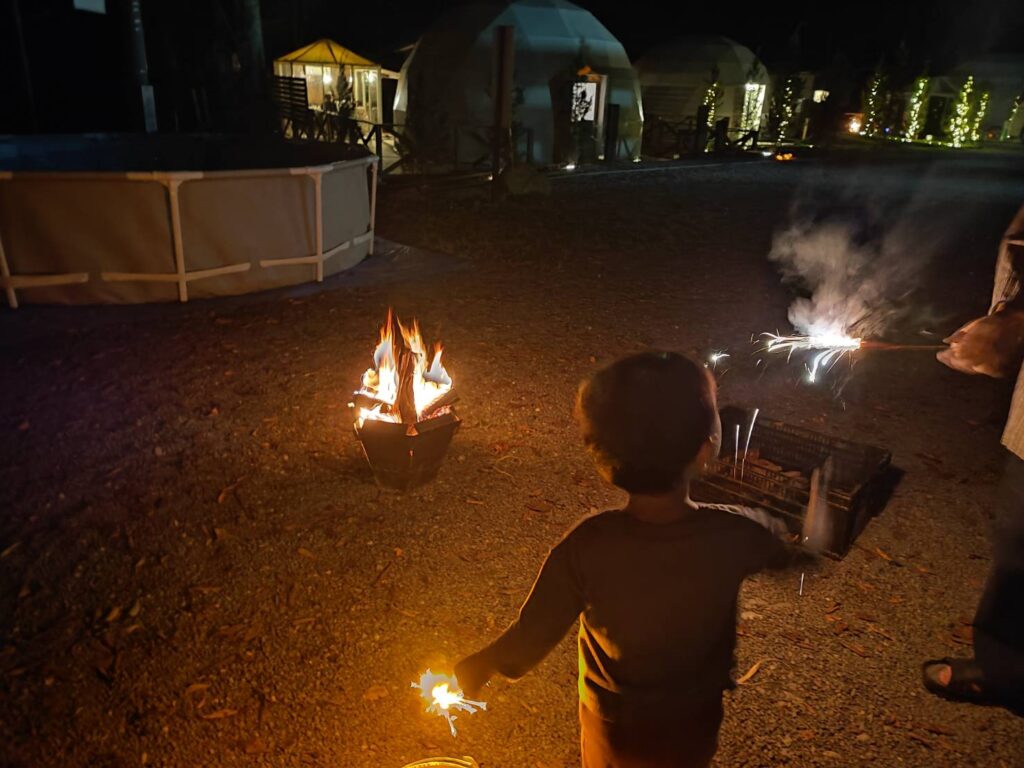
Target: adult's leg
pixel 999 620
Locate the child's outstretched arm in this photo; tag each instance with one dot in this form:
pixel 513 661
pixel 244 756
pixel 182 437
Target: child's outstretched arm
pixel 554 603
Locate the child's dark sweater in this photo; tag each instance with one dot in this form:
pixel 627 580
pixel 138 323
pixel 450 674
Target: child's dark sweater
pixel 656 603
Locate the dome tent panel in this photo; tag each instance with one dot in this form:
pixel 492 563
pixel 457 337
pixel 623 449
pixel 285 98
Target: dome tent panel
pixel 675 77
pixel 445 93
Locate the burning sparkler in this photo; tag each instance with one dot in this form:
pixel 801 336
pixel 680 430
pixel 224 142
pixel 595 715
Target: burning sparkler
pixel 828 348
pixel 443 695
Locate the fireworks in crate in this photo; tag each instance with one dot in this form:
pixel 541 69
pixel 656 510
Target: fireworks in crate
pixel 404 414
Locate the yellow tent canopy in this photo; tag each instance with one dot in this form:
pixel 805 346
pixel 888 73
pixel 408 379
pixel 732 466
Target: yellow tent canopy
pixel 326 51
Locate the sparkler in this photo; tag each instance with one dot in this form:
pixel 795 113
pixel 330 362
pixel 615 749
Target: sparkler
pixel 746 448
pixel 828 348
pixel 443 695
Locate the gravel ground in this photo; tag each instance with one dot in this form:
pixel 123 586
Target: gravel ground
pixel 197 568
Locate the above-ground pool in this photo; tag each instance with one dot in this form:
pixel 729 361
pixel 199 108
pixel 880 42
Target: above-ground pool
pixel 220 217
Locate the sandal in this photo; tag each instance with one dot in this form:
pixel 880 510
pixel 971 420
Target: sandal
pixel 967 683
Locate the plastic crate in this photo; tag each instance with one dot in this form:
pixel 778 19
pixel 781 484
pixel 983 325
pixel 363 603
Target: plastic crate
pixel 862 475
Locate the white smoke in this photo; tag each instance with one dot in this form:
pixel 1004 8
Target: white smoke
pixel 857 274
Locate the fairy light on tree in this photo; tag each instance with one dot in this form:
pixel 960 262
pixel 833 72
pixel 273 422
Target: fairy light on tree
pixel 916 109
pixel 874 105
pixel 784 105
pixel 1005 133
pixel 978 116
pixel 712 95
pixel 959 127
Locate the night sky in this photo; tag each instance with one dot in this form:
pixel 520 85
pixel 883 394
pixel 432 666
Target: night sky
pixel 938 33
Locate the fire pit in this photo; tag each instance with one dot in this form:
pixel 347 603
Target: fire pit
pixel 771 466
pixel 404 414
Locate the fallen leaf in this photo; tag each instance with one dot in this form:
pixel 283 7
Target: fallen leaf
pixel 883 555
pixel 375 692
pixel 9 549
pixel 866 617
pixel 196 688
pixel 135 609
pixel 23 427
pixel 205 590
pixel 963 635
pixel 158 451
pixel 255 746
pixel 857 648
pixel 939 730
pixel 539 505
pixel 306 553
pixel 220 534
pixel 749 674
pixel 399 552
pixel 220 714
pixel 26 590
pixel 750 616
pixel 475 502
pixel 833 607
pixel 114 615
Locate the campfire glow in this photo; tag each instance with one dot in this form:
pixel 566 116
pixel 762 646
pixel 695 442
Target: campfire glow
pixel 443 695
pixel 404 385
pixel 828 348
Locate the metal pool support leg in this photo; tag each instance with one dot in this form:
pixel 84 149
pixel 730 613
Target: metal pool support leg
pixel 5 273
pixel 318 184
pixel 373 204
pixel 179 248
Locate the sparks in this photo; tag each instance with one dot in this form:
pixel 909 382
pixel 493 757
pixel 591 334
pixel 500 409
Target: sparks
pixel 442 694
pixel 716 357
pixel 828 348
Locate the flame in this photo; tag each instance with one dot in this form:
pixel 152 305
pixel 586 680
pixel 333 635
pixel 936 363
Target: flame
pixel 442 694
pixel 381 381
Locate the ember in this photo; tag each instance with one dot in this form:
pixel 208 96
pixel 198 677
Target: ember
pixel 403 411
pixel 442 694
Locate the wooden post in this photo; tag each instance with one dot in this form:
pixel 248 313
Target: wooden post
pixel 611 133
pixel 504 63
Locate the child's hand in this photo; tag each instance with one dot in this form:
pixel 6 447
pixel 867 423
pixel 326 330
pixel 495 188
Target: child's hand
pixel 473 672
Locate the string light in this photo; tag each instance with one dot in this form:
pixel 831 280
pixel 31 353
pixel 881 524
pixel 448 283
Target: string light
pixel 711 101
pixel 873 106
pixel 979 115
pixel 1009 121
pixel 916 109
pixel 959 122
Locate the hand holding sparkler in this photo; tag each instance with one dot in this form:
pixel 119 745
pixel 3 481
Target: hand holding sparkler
pixel 992 345
pixel 444 695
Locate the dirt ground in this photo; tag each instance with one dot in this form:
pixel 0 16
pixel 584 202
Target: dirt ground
pixel 198 569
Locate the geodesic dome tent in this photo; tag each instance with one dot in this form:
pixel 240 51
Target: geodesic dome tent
pixel 675 77
pixel 444 95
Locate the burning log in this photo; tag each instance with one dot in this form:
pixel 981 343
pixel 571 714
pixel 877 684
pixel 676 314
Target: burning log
pixel 403 415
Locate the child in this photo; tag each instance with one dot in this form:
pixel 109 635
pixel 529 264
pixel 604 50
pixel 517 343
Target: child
pixel 654 584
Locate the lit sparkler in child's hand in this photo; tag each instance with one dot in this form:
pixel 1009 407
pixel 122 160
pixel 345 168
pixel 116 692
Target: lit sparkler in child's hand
pixel 828 348
pixel 443 695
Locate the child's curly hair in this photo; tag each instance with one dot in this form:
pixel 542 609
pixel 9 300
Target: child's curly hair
pixel 645 417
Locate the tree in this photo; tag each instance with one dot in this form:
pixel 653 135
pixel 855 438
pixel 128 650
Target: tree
pixel 784 106
pixel 917 109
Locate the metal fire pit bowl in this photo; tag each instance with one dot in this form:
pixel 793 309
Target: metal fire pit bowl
pixel 862 475
pixel 403 458
pixel 444 762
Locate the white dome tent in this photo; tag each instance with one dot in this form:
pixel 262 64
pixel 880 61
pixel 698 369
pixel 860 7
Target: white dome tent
pixel 675 78
pixel 444 91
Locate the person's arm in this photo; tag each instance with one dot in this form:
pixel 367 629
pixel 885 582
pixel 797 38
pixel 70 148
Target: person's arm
pixel 1006 290
pixel 554 603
